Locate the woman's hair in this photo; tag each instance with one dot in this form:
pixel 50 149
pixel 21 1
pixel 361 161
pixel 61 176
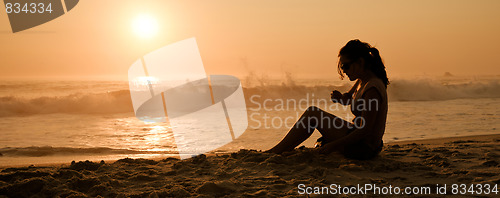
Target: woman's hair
pixel 355 49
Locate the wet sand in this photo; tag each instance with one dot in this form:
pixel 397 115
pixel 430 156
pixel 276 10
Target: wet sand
pixel 249 173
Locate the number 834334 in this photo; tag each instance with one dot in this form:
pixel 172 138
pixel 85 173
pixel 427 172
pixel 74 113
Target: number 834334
pixel 26 8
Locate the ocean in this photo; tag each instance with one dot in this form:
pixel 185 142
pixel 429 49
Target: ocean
pixel 49 121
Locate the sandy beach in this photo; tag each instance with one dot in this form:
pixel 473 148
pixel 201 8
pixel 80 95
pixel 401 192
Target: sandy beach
pixel 418 164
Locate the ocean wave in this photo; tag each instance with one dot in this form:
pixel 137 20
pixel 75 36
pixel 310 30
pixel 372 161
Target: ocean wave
pixel 432 90
pixel 95 103
pixel 52 151
pixel 120 101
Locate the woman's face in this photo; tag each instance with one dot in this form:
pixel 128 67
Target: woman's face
pixel 352 68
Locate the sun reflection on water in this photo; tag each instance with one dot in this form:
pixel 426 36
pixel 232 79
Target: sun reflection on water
pixel 158 137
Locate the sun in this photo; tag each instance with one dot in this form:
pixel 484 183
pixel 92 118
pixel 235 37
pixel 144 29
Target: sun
pixel 145 26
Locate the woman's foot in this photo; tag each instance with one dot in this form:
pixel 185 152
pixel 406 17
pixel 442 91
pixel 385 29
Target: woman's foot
pixel 271 151
pixel 277 151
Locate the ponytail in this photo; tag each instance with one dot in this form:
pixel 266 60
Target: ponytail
pixel 377 66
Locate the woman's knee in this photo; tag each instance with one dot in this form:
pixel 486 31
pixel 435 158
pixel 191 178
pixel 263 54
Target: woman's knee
pixel 313 109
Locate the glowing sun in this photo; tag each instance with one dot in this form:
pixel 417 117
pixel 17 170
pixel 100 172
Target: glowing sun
pixel 145 26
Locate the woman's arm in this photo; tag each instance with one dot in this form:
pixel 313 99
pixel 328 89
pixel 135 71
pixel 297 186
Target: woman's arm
pixel 368 121
pixel 344 98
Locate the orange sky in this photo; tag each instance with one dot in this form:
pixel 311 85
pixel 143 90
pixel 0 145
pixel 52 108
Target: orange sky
pixel 95 39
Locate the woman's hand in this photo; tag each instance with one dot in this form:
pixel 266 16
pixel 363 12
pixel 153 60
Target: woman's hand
pixel 336 96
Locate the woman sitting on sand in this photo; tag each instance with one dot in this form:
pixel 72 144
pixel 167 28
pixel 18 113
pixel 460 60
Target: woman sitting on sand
pixel 361 138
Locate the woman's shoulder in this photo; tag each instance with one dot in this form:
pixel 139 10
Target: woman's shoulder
pixel 378 85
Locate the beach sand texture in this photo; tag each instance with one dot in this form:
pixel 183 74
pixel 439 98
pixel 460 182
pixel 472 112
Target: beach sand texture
pixel 250 173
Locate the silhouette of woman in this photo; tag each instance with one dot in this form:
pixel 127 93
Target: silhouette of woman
pixel 361 138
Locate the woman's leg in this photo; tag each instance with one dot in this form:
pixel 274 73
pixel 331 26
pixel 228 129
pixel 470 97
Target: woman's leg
pixel 330 126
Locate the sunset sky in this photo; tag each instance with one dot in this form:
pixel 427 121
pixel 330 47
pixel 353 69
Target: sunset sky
pixel 98 39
